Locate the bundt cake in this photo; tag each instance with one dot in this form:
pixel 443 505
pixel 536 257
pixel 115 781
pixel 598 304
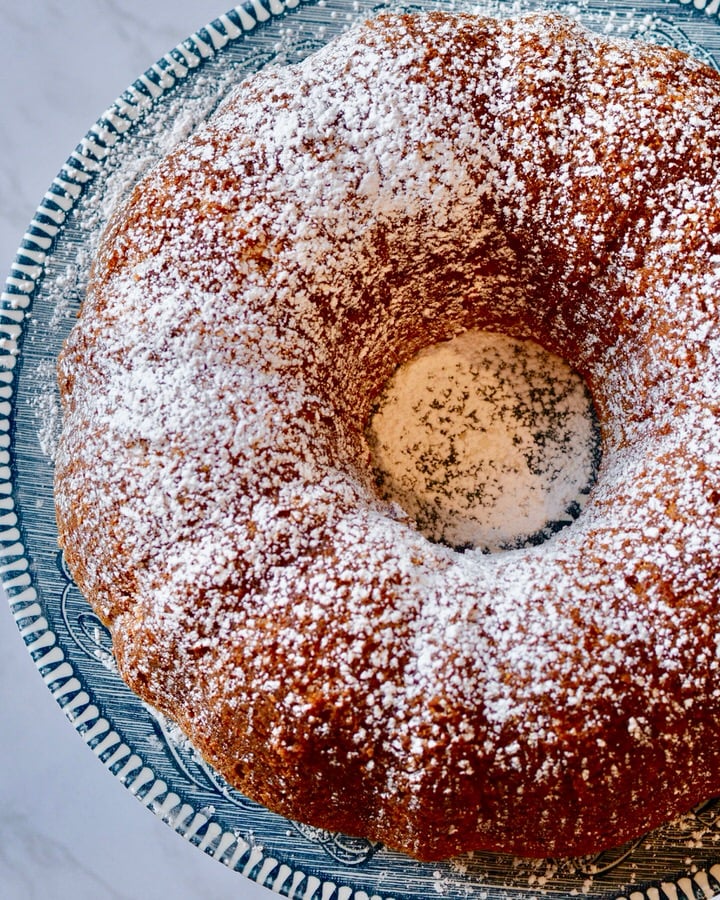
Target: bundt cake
pixel 423 176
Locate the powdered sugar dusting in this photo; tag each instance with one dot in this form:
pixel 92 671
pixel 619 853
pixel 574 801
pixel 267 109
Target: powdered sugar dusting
pixel 485 442
pixel 420 178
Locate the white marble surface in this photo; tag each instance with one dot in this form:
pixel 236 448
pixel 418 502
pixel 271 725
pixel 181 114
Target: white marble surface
pixel 68 829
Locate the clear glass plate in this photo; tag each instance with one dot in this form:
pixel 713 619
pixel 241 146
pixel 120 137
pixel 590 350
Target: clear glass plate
pixel 70 646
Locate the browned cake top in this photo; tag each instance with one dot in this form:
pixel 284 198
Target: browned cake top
pixel 419 177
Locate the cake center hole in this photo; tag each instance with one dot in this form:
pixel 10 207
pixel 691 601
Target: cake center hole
pixel 486 441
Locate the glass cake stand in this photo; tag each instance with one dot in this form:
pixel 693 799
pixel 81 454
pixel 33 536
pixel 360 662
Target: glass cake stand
pixel 70 646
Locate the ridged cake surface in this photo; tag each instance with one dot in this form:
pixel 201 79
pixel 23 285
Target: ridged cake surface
pixel 422 176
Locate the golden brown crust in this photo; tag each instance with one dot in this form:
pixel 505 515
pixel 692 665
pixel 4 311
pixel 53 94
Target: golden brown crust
pixel 247 305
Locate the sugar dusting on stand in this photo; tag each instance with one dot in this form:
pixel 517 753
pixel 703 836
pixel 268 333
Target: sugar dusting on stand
pixel 214 500
pixel 486 442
